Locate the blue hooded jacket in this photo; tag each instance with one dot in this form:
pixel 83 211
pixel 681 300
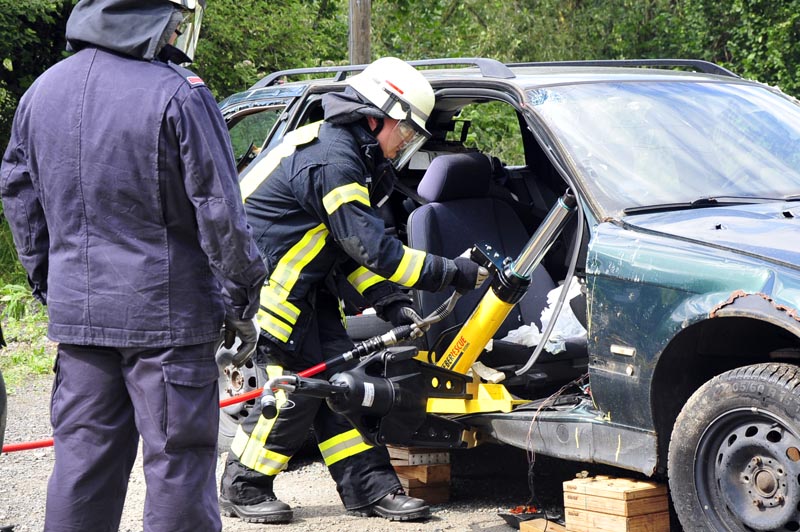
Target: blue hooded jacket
pixel 120 188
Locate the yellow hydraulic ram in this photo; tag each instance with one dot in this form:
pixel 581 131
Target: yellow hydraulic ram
pixel 508 286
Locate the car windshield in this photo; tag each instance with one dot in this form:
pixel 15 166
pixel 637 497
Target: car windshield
pixel 638 144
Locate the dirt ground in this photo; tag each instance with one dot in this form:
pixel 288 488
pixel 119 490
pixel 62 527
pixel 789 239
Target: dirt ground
pixel 485 481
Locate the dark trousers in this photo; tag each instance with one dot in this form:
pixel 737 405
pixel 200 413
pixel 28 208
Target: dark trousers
pixel 363 474
pixel 103 398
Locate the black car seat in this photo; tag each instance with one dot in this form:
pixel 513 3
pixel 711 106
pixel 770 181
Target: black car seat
pixel 462 211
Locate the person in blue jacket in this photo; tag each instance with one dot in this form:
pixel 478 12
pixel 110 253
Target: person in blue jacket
pixel 120 188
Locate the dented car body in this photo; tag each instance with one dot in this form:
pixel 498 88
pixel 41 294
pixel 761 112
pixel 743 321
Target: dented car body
pixel 689 262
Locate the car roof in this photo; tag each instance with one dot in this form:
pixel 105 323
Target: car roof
pixel 523 75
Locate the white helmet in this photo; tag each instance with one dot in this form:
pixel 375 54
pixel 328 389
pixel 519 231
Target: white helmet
pixel 402 92
pixel 189 29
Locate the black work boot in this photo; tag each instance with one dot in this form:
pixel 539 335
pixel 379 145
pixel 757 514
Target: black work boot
pixel 396 506
pixel 269 511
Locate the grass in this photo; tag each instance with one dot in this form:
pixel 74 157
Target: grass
pixel 29 353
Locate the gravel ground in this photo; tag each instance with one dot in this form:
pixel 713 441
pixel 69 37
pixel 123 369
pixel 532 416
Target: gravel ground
pixel 484 481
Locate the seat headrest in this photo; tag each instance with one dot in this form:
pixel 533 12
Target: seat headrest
pixel 456 176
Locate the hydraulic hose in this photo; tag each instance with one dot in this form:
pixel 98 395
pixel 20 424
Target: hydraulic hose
pixel 560 302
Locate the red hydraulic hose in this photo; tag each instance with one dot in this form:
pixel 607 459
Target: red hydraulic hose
pixel 39 444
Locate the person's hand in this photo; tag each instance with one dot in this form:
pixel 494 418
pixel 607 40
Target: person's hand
pixel 400 313
pixel 247 331
pixel 469 276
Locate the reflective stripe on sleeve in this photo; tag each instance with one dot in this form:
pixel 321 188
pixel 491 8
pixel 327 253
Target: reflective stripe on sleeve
pixel 345 194
pixel 343 446
pixel 362 278
pixel 407 273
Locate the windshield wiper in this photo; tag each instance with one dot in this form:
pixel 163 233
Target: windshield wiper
pixel 708 201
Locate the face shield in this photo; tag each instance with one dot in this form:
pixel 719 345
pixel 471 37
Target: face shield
pixel 188 31
pixel 407 137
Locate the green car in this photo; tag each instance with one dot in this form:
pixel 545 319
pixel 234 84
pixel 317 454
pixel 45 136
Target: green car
pixel 684 261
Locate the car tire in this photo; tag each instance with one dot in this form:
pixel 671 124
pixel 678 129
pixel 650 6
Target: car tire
pixel 3 410
pixel 734 454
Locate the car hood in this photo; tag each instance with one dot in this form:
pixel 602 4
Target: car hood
pixel 766 230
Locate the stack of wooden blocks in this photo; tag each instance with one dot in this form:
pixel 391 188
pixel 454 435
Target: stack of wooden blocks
pixel 607 504
pixel 423 473
pixel 615 505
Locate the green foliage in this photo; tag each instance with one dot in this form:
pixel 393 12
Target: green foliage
pixel 243 40
pixel 29 352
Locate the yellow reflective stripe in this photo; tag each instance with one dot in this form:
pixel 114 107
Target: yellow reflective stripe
pixel 292 263
pixel 270 463
pixel 343 446
pixel 270 162
pixel 274 299
pixel 273 326
pixel 345 194
pixel 362 279
pixel 407 273
pixel 250 449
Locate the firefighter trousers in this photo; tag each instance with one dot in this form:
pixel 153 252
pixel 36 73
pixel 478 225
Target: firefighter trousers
pixel 262 447
pixel 103 399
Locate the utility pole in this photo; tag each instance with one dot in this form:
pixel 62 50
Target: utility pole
pixel 360 13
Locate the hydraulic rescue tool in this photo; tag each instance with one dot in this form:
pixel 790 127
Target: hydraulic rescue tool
pixel 386 395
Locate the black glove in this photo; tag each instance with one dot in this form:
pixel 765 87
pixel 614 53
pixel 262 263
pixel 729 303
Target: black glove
pixel 399 313
pixel 469 276
pixel 247 331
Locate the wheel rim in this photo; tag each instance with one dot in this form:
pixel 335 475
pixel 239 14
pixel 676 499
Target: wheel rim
pixel 235 381
pixel 747 472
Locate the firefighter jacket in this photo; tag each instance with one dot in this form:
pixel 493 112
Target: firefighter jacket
pixel 308 201
pixel 121 192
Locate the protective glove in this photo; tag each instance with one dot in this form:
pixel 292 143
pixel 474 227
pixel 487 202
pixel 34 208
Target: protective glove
pixel 247 331
pixel 400 313
pixel 469 276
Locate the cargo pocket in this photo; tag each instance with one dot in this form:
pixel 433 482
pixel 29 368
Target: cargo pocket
pixel 191 414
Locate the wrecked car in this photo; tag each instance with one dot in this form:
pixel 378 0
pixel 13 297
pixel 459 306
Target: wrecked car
pixel 682 263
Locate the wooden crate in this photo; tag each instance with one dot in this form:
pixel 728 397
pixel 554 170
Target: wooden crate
pixel 585 521
pixel 615 505
pixel 541 525
pixel 423 474
pixel 417 456
pixel 431 494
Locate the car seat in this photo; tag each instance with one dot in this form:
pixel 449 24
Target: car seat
pixel 461 212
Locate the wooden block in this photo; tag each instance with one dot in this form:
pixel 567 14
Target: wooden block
pixel 608 505
pixel 417 456
pixel 427 474
pixel 541 525
pixel 585 521
pixel 430 494
pixel 625 489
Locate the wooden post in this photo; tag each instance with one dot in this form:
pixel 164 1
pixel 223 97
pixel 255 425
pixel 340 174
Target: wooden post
pixel 360 13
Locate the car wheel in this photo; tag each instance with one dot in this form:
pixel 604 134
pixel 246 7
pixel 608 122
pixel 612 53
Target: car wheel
pixel 3 410
pixel 233 382
pixel 734 454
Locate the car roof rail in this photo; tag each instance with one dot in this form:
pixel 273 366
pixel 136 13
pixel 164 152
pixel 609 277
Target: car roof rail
pixel 490 68
pixel 699 65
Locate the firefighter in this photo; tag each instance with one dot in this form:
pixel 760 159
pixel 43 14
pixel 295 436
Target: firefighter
pixel 121 191
pixel 312 203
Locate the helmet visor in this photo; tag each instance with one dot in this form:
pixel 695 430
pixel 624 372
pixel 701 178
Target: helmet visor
pixel 188 31
pixel 409 138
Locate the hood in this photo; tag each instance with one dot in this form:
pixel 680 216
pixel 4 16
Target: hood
pixel 768 230
pixel 134 28
pixel 347 107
